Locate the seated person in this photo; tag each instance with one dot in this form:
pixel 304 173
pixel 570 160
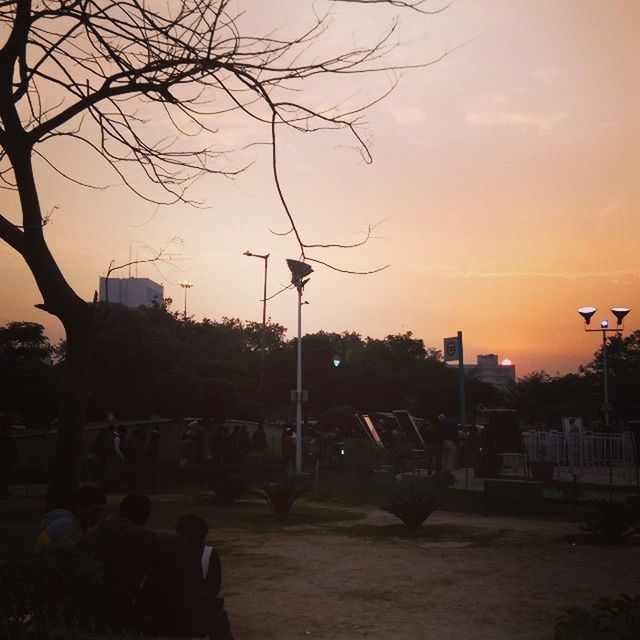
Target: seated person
pixel 127 551
pixel 194 530
pixel 63 527
pixel 179 597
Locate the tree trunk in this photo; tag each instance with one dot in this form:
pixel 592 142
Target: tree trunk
pixel 67 462
pixel 61 301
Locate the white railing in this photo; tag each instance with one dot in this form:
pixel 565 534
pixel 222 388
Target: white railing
pixel 588 449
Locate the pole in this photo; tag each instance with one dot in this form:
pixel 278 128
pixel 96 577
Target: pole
pixel 606 379
pixel 463 407
pixel 185 303
pixel 299 389
pixel 264 332
pixel 606 411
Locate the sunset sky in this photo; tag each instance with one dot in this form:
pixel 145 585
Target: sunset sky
pixel 505 181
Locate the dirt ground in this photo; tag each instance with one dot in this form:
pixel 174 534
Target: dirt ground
pixel 345 573
pixel 463 576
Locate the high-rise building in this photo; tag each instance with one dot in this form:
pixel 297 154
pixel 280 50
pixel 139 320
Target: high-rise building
pixel 488 370
pixel 131 292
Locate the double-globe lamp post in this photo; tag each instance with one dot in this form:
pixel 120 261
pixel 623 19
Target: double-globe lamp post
pixel 620 313
pixel 299 272
pixel 263 339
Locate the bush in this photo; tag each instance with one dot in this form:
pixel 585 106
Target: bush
pixel 229 483
pixel 412 504
pixel 281 496
pixel 613 521
pixel 56 587
pixel 606 620
pixel 264 467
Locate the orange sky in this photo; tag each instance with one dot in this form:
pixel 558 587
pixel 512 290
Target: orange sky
pixel 506 176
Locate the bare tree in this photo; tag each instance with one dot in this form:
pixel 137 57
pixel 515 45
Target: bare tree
pixel 100 72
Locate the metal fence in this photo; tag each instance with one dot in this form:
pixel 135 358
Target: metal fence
pixel 584 450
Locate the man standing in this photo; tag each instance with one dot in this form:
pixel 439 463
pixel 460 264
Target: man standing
pixel 449 431
pixel 102 447
pixel 259 439
pixel 117 442
pixel 288 446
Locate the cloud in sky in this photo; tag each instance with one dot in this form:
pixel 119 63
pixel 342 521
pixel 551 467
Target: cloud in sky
pixel 583 275
pixel 543 121
pixel 544 74
pixel 409 115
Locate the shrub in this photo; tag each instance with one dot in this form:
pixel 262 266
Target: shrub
pixel 264 467
pixel 281 496
pixel 606 620
pixel 229 483
pixel 412 504
pixel 613 521
pixel 55 587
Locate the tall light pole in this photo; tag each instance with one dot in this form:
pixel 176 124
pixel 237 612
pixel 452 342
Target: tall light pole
pixel 299 272
pixel 186 285
pixel 263 340
pixel 620 313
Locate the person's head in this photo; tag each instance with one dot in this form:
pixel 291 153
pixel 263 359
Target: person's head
pixel 88 504
pixel 193 528
pixel 135 507
pixel 441 417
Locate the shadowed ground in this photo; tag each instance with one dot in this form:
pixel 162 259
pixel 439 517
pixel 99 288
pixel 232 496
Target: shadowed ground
pixel 336 572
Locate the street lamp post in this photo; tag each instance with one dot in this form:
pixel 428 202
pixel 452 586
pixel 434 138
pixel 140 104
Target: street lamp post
pixel 185 284
pixel 263 339
pixel 299 272
pixel 620 313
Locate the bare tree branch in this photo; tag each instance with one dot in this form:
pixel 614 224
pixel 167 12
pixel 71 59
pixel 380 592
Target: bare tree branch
pixel 159 255
pixel 11 234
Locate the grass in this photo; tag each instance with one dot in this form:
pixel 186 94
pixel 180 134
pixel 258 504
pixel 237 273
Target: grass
pixel 252 514
pixel 437 533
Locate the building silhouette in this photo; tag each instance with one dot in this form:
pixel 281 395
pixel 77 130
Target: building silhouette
pixel 131 292
pixel 488 370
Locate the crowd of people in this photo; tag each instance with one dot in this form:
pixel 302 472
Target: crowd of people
pixel 153 582
pixel 225 445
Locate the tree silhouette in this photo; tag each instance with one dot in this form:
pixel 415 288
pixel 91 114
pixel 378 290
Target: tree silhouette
pixel 100 73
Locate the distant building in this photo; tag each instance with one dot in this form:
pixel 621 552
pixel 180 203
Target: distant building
pixel 488 370
pixel 132 292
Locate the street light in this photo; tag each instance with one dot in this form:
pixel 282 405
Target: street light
pixel 299 272
pixel 620 313
pixel 264 257
pixel 185 284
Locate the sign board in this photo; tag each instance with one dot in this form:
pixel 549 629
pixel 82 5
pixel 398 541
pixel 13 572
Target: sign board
pixel 304 395
pixel 409 429
pixel 451 349
pixel 371 429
